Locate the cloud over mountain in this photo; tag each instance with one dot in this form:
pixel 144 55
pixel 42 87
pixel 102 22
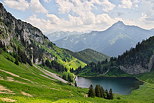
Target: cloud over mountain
pixel 82 15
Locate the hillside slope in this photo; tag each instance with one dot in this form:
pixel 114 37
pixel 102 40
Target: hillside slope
pixel 26 84
pixel 89 55
pixel 23 39
pixel 137 60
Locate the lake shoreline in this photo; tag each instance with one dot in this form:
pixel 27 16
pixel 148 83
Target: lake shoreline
pixel 128 84
pixel 112 77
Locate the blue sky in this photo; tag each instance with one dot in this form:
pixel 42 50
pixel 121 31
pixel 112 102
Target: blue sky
pixel 82 15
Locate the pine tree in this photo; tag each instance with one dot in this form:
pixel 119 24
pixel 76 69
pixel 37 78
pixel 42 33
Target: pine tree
pixel 110 94
pixel 106 94
pixel 97 91
pixel 16 61
pixel 91 92
pixel 102 92
pixel 75 84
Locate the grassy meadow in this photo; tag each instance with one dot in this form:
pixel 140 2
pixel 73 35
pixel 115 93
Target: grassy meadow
pixel 26 84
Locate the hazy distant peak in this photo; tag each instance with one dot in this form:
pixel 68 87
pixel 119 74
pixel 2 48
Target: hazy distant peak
pixel 152 29
pixel 119 23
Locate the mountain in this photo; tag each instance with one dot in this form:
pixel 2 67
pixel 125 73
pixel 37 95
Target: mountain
pixel 61 34
pixel 139 59
pixel 29 45
pixel 136 61
pixel 112 42
pixel 152 30
pixel 29 64
pixel 89 55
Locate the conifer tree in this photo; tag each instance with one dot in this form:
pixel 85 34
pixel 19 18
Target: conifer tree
pixel 97 91
pixel 110 94
pixel 106 94
pixel 16 61
pixel 102 92
pixel 91 92
pixel 75 84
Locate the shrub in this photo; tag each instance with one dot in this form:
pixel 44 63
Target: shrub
pixel 16 61
pixel 1 51
pixel 118 98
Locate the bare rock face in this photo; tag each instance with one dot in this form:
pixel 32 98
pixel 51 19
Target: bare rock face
pixel 134 69
pixel 151 62
pixel 24 31
pixel 13 30
pixel 137 68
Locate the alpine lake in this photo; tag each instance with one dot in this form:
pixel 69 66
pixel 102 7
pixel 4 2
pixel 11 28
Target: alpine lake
pixel 119 85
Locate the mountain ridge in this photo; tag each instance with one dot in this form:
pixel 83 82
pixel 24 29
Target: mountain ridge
pixel 89 55
pixel 113 41
pixel 137 60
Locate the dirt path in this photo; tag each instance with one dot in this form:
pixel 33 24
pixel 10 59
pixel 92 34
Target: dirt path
pixel 52 75
pixel 26 94
pixel 7 100
pixel 14 75
pixel 4 90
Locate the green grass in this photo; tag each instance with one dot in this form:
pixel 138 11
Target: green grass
pixel 147 77
pixel 89 55
pixel 38 86
pixel 63 57
pixel 45 90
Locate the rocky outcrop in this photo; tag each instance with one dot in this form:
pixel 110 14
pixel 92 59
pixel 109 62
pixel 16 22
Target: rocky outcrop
pixel 24 31
pixel 137 68
pixel 134 69
pixel 151 62
pixel 15 32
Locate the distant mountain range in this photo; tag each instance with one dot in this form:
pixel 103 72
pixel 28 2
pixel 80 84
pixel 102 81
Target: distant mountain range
pixel 112 42
pixel 137 60
pixel 61 34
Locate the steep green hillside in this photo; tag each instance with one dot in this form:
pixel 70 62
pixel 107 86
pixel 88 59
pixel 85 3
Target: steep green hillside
pixel 28 42
pixel 89 55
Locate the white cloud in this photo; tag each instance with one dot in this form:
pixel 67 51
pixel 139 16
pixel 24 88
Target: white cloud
pixel 104 19
pixel 47 1
pixel 42 24
pixel 17 4
pixel 107 6
pixel 147 18
pixel 82 24
pixel 78 6
pixel 64 6
pixel 126 4
pixel 36 6
pixel 53 19
pixel 81 15
pixel 85 19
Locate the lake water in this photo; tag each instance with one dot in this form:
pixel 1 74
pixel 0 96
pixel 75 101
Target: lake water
pixel 120 85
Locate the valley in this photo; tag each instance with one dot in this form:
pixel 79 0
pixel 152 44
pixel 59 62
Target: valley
pixel 35 70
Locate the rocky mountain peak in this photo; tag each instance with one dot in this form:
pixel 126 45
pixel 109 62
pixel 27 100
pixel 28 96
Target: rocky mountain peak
pixel 118 25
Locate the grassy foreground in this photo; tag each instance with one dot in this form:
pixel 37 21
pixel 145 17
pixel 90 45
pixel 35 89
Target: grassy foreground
pixel 26 84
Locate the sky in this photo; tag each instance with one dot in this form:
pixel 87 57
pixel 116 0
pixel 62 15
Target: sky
pixel 81 15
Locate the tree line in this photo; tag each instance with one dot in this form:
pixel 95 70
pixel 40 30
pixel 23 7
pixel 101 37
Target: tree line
pixel 54 65
pixel 98 91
